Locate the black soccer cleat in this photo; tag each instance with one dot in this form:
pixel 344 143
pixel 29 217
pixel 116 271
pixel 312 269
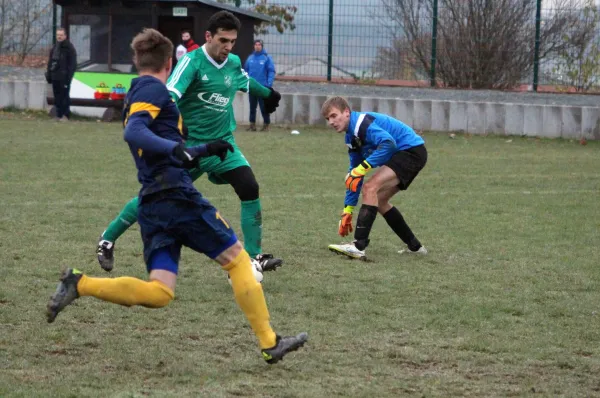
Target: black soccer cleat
pixel 268 262
pixel 284 346
pixel 65 293
pixel 105 253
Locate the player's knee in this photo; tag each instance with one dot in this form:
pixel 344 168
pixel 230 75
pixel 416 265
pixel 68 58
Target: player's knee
pixel 370 189
pixel 247 190
pixel 227 257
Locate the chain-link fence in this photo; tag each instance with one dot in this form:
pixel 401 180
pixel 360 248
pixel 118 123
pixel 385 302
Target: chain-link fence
pixel 466 44
pixel 335 40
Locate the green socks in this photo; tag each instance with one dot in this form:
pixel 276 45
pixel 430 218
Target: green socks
pixel 251 219
pixel 124 220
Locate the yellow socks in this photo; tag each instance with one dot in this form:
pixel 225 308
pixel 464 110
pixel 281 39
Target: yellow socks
pixel 126 291
pixel 249 296
pixel 130 291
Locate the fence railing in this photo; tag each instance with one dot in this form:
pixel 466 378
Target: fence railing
pixel 467 44
pixel 545 44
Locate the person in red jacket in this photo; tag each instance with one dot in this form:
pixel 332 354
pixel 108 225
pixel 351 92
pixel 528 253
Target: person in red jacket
pixel 188 42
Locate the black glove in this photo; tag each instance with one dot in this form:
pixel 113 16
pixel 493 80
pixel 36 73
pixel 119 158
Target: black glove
pixel 47 76
pixel 180 153
pixel 272 101
pixel 219 148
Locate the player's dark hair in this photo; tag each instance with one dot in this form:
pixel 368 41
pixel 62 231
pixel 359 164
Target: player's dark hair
pixel 334 102
pixel 223 20
pixel 186 31
pixel 151 50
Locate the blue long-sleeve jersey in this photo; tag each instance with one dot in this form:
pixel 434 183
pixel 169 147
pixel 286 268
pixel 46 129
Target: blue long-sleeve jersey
pixel 153 128
pixel 260 66
pixel 375 137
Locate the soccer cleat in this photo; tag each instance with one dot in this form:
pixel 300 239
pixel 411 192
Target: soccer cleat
pixel 348 249
pixel 256 270
pixel 283 346
pixel 268 263
pixel 65 293
pixel 422 251
pixel 105 253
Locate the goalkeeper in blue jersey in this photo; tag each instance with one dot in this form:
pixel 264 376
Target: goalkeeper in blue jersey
pixel 375 141
pixel 171 212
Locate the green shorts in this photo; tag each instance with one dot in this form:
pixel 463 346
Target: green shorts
pixel 213 165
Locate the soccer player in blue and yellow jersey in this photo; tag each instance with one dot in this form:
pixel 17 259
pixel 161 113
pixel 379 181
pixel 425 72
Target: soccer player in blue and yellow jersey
pixel 172 213
pixel 204 85
pixel 375 141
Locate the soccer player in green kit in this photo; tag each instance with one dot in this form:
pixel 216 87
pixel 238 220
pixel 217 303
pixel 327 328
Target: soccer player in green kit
pixel 204 85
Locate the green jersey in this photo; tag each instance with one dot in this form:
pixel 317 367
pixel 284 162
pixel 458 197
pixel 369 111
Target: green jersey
pixel 204 91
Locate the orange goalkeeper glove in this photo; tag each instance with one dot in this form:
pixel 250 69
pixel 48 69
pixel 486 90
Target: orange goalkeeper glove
pixel 345 226
pixel 356 175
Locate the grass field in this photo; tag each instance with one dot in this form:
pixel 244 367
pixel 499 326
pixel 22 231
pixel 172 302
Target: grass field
pixel 507 303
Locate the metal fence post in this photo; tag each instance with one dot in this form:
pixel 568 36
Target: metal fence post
pixel 434 41
pixel 536 56
pixel 53 24
pixel 330 41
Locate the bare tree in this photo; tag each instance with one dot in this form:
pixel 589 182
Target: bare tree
pixel 480 43
pixel 35 18
pixel 579 65
pixel 8 22
pixel 282 15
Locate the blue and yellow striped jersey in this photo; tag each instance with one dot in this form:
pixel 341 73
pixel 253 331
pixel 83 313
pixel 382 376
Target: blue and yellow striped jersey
pixel 153 128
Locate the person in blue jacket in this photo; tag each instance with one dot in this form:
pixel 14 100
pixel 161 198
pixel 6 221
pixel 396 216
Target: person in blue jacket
pixel 375 141
pixel 260 66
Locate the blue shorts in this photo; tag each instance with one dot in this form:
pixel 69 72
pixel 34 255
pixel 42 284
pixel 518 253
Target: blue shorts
pixel 176 218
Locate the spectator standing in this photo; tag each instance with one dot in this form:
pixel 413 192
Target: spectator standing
pixel 62 63
pixel 260 66
pixel 187 41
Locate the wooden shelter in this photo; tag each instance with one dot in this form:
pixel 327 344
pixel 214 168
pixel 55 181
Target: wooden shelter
pixel 101 30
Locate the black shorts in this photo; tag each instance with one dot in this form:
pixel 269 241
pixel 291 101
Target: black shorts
pixel 407 164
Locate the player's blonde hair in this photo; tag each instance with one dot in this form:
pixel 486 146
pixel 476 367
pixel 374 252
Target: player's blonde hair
pixel 339 103
pixel 151 50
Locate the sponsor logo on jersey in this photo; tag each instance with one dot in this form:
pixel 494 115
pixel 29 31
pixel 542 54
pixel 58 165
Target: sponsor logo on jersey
pixel 214 99
pixel 228 81
pixel 205 78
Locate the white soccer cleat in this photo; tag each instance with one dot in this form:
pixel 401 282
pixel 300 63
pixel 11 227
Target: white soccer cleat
pixel 256 270
pixel 348 249
pixel 422 251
